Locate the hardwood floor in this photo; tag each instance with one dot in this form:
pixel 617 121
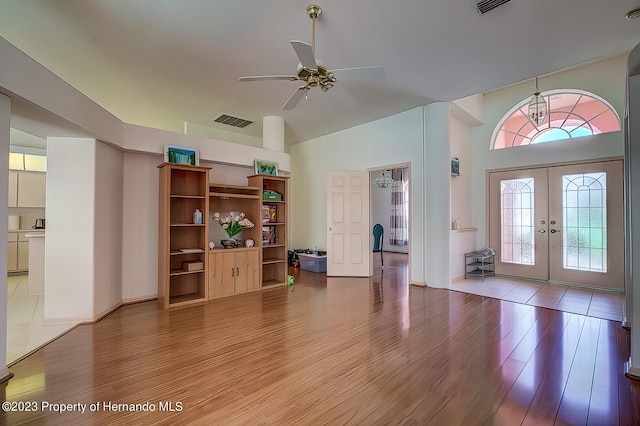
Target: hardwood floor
pixel 335 351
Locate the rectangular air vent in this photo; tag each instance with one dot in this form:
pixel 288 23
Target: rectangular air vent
pixel 232 121
pixel 486 5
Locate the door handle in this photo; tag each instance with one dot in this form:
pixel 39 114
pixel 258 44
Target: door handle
pixel 553 231
pixel 542 231
pixel 233 272
pixel 237 271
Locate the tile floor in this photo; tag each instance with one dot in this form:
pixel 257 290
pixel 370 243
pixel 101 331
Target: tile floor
pixel 593 303
pixel 26 328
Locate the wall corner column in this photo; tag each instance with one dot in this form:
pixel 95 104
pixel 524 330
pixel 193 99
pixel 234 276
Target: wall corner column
pixel 5 137
pixel 437 195
pixel 632 188
pixel 273 133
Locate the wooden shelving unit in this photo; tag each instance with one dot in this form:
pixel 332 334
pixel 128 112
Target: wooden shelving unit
pixel 235 271
pixel 218 272
pixel 273 240
pixel 183 189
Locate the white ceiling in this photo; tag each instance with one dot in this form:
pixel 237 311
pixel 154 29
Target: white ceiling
pixel 161 63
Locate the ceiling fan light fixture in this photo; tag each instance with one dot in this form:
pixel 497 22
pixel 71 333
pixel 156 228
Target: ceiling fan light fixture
pixel 633 14
pixel 310 70
pixel 314 11
pixel 537 108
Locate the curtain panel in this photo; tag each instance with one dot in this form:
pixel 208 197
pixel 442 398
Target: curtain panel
pixel 399 221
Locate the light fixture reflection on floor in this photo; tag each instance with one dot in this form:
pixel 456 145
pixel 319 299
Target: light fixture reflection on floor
pixel 537 107
pixel 384 181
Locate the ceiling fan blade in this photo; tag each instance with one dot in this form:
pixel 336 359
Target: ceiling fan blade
pixel 295 98
pixel 358 73
pixel 305 54
pixel 267 77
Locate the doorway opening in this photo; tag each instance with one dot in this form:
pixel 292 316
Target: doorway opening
pixel 391 208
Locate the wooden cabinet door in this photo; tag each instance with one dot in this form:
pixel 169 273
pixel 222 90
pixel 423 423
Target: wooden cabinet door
pixel 23 255
pixel 247 277
pixel 221 274
pixel 13 189
pixel 12 256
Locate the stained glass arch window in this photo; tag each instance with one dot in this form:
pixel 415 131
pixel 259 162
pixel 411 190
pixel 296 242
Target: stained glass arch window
pixel 571 114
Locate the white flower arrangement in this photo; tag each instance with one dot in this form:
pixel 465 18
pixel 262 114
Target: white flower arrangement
pixel 231 224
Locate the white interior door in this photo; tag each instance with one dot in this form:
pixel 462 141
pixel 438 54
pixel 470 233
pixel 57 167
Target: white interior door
pixel 561 224
pixel 348 230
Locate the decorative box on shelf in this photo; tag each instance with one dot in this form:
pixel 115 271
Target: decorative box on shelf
pixel 192 265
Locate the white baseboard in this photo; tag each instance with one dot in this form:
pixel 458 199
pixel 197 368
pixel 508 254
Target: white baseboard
pixel 630 371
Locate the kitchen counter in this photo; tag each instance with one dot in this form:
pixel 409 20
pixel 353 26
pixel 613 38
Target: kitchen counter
pixel 36 261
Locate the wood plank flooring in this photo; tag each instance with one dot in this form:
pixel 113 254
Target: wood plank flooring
pixel 334 351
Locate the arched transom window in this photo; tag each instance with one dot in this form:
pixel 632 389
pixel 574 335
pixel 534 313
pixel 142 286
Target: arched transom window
pixel 571 114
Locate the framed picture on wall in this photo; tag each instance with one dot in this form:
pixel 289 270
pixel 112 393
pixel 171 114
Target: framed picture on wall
pixel 181 155
pixel 455 167
pixel 266 167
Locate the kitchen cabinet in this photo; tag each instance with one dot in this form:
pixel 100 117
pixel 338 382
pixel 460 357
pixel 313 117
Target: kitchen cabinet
pixel 31 189
pixel 12 253
pixel 27 189
pixel 17 252
pixel 13 189
pixel 233 271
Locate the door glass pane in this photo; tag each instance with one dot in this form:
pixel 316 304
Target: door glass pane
pixel 516 211
pixel 584 228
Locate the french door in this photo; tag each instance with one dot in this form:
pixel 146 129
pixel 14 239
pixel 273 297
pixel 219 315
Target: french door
pixel 560 224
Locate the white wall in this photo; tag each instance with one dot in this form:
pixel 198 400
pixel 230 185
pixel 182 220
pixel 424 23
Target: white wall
pixel 461 200
pixel 605 79
pixel 632 179
pixel 69 243
pixel 391 140
pixel 437 195
pixel 140 226
pixel 5 132
pixel 461 205
pixel 108 231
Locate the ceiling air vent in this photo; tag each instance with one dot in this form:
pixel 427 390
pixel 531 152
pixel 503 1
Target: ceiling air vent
pixel 230 120
pixel 486 5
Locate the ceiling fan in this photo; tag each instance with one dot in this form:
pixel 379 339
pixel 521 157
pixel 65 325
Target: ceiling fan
pixel 310 71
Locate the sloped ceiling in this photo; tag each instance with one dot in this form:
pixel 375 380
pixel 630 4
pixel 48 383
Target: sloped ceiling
pixel 164 63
